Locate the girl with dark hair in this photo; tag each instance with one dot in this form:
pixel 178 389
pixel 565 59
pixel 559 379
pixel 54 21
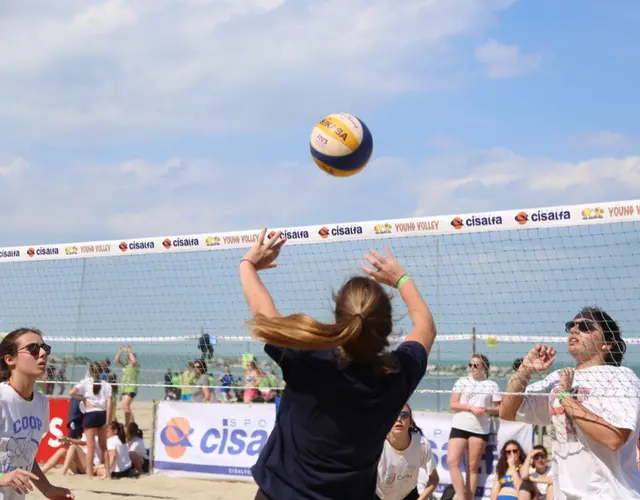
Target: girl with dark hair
pixel 405 452
pixel 343 390
pixel 24 416
pixel 118 451
pixel 94 394
pixel 593 409
pixel 508 483
pixel 475 399
pixel 137 449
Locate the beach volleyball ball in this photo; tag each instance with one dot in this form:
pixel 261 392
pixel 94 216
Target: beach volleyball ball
pixel 341 144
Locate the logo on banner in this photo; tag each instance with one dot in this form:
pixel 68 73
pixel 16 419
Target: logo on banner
pixel 212 241
pixel 180 242
pixel 325 232
pixel 175 437
pixel 136 245
pixel 384 228
pixel 542 216
pixel 237 436
pixel 42 251
pixel 295 234
pixel 476 221
pixel 592 213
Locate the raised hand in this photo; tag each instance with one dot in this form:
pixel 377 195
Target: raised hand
pixel 539 359
pixel 263 255
pixel 386 269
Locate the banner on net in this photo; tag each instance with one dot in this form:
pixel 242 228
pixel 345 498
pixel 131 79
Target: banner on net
pixel 225 440
pixel 436 428
pixel 207 439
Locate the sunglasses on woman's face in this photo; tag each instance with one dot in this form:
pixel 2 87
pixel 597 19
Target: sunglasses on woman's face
pixel 34 349
pixel 404 415
pixel 512 452
pixel 584 326
pixel 474 365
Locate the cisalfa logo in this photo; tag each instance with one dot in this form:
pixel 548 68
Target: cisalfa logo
pixel 123 246
pixel 166 243
pixel 175 437
pixel 324 232
pixel 522 218
pixel 457 223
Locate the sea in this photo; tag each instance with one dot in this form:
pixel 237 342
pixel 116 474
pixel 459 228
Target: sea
pixel 432 394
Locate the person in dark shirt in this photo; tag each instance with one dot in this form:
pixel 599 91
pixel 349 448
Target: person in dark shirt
pixel 343 389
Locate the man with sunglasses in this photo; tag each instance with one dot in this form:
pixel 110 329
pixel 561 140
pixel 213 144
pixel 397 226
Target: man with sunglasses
pixel 593 410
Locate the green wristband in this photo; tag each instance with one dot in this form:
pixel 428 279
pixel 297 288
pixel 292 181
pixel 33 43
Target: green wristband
pixel 564 394
pixel 402 279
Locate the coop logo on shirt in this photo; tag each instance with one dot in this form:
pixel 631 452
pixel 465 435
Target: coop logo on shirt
pixel 19 450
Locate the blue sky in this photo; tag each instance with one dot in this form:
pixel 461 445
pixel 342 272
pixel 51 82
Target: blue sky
pixel 130 118
pixel 141 118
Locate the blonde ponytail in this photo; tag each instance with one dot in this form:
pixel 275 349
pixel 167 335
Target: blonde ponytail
pixel 300 331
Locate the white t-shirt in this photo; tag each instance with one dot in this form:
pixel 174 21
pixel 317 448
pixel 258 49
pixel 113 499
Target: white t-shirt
pixel 137 445
pixel 122 461
pixel 398 470
pixel 481 393
pixel 97 453
pixel 583 468
pixel 22 425
pixel 98 401
pixel 542 487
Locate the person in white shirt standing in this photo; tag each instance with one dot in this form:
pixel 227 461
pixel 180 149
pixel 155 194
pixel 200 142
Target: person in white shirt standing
pixel 593 410
pixel 24 416
pixel 96 404
pixel 405 452
pixel 474 399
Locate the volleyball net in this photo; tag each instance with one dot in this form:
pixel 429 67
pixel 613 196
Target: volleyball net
pixel 498 283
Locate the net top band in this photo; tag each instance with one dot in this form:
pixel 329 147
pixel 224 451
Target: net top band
pixel 506 220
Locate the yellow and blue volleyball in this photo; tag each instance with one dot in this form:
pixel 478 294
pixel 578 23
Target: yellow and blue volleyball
pixel 341 144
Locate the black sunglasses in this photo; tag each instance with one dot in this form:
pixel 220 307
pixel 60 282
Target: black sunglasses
pixel 584 326
pixel 34 349
pixel 475 365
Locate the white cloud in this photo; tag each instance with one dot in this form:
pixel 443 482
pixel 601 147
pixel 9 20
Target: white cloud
pixel 500 179
pixel 138 198
pixel 506 61
pixel 216 66
pixel 605 139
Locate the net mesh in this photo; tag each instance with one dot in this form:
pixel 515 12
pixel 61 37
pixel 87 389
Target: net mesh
pixel 493 289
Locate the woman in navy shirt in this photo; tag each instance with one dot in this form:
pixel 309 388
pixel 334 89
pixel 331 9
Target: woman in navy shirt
pixel 343 390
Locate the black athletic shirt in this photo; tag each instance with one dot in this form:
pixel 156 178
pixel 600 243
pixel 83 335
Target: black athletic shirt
pixel 332 423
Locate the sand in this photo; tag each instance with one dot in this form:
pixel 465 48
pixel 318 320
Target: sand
pixel 149 486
